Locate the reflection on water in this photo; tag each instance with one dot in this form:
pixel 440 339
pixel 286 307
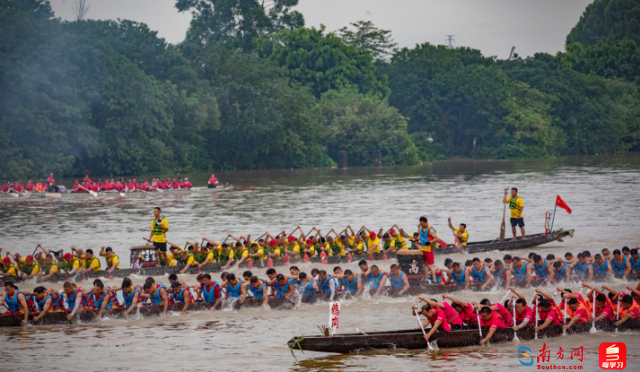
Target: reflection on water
pixel 602 191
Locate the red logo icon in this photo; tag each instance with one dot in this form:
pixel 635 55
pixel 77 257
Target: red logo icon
pixel 612 355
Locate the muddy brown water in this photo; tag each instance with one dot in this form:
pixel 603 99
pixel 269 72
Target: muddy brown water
pixel 603 192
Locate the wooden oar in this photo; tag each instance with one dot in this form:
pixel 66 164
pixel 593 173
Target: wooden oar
pixel 515 322
pixel 323 257
pixel 423 331
pixel 14 315
pixel 95 194
pixel 503 226
pixel 537 317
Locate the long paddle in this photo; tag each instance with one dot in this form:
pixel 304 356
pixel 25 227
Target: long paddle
pixel 90 192
pixel 537 318
pixel 564 316
pixel 14 315
pixel 503 226
pixel 423 331
pixel 593 323
pixel 515 322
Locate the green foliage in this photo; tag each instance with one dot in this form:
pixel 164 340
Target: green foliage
pixel 321 61
pixel 363 124
pixel 368 39
pixel 238 22
pixel 611 20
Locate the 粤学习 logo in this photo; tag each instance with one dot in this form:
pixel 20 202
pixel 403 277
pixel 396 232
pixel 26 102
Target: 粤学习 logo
pixel 612 355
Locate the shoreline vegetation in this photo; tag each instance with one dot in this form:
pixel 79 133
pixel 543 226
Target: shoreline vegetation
pixel 254 89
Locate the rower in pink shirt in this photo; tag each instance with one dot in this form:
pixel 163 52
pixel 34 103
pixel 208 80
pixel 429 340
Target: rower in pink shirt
pixel 504 313
pixel 450 313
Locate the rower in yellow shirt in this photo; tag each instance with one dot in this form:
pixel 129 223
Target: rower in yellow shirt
pixel 460 232
pixel 399 238
pixel 274 251
pixel 293 248
pixel 373 242
pixel 88 261
pixel 356 245
pixel 185 258
pixel 257 252
pixel 29 268
pixel 113 261
pixel 8 269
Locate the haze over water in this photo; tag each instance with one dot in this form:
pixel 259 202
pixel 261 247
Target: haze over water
pixel 603 192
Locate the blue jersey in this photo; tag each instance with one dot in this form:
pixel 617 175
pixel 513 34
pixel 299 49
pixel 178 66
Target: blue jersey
pixel 635 265
pixel 155 298
pixel 459 279
pixel 600 270
pixel 618 268
pixel 325 287
pixel 12 303
pixel 541 271
pixel 562 274
pixel 308 290
pixel 210 295
pixel 396 283
pixel 479 275
pixel 128 299
pixel 234 290
pixel 71 300
pixel 521 273
pixel 374 281
pixel 281 290
pixel 582 271
pixel 41 304
pixel 257 292
pixel 352 286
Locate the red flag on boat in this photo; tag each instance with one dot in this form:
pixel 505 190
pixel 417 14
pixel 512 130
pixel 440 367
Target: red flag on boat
pixel 560 203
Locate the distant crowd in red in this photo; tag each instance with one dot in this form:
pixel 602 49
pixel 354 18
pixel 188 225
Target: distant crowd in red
pixel 87 184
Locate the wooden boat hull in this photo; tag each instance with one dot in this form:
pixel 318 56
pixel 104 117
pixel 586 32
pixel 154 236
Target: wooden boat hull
pixel 413 339
pixel 60 317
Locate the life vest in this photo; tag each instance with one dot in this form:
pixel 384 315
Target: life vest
pixel 374 281
pixel 513 203
pixel 179 298
pixel 459 279
pixel 98 302
pixel 424 239
pixel 500 275
pixel 618 268
pixel 396 283
pixel 224 257
pixel 541 271
pixel 521 273
pixel 87 264
pixel 257 292
pixel 562 274
pixel 635 266
pixel 155 298
pixel 110 260
pixel 584 318
pixel 600 270
pixel 6 269
pixel 234 291
pixel 12 303
pixel 479 276
pixel 68 266
pixel 128 299
pixel 624 312
pixel 581 271
pixel 308 289
pixel 58 303
pixel 210 295
pixel 44 269
pixel 71 300
pixel 352 286
pixel 521 316
pixel 28 269
pixel 41 304
pixel 281 290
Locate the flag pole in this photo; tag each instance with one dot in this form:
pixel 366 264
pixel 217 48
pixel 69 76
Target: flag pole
pixel 554 217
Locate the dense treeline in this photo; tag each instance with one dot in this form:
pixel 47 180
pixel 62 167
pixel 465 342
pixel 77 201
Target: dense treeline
pixel 252 88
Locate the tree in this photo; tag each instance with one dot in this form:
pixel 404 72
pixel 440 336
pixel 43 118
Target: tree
pixel 238 22
pixel 368 39
pixel 610 20
pixel 80 9
pixel 321 61
pixel 361 125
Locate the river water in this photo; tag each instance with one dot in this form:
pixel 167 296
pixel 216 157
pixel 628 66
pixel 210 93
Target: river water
pixel 603 192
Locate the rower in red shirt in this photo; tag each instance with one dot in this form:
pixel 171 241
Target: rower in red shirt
pixel 107 185
pixel 186 184
pixel 51 180
pixel 213 182
pixel 87 179
pixel 144 186
pixel 176 184
pixel 119 186
pixel 6 187
pixel 450 313
pixel 502 311
pixel 604 307
pixel 18 187
pixel 135 184
pixel 547 314
pixel 491 319
pixel 464 310
pixel 435 317
pixel 76 186
pixel 30 186
pixel 163 185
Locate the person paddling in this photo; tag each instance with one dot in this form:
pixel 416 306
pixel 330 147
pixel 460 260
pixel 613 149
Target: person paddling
pixel 15 301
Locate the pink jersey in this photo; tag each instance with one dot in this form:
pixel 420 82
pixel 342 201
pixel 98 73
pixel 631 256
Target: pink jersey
pixel 451 314
pixel 505 314
pixel 526 314
pixel 439 315
pixel 495 321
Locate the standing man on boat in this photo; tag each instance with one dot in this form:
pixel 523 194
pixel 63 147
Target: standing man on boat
pixel 159 227
pixel 428 242
pixel 517 206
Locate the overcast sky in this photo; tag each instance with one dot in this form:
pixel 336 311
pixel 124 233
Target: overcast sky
pixel 492 26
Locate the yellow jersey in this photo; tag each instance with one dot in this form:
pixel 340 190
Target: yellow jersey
pixel 53 268
pixel 114 260
pixel 295 251
pixel 158 234
pixel 357 249
pixel 95 263
pixel 465 236
pixel 29 270
pixel 373 242
pixel 515 207
pixel 400 239
pixel 11 270
pixel 260 251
